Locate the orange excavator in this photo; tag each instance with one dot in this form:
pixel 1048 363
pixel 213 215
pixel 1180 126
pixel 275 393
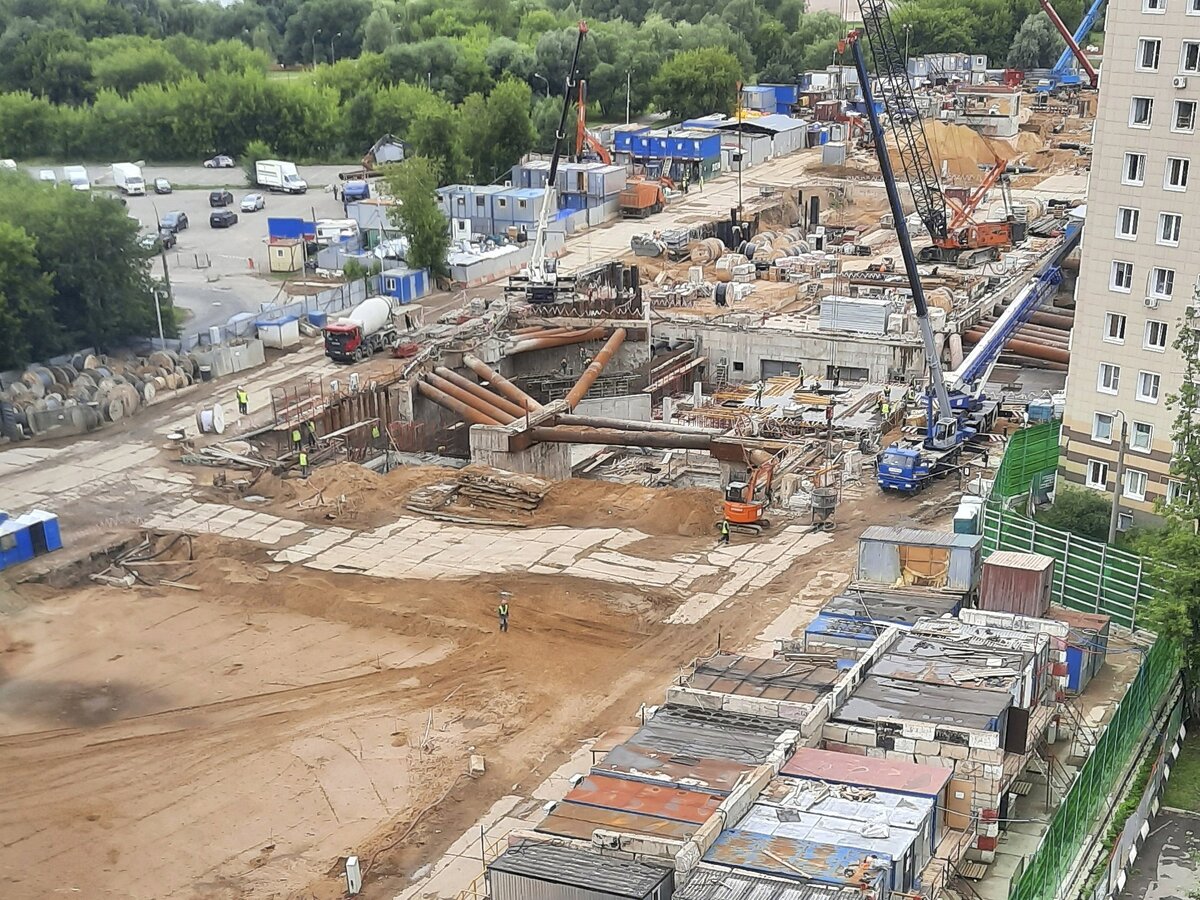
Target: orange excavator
pixel 585 141
pixel 966 242
pixel 746 501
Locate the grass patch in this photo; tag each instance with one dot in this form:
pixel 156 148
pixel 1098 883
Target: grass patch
pixel 1183 790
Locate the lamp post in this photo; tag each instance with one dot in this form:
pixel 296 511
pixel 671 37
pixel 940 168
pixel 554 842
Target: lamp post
pixel 907 36
pixel 1118 487
pixel 162 246
pixel 332 54
pixel 628 92
pixel 316 34
pixel 544 80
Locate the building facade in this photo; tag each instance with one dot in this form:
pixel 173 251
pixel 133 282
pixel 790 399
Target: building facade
pixel 1140 256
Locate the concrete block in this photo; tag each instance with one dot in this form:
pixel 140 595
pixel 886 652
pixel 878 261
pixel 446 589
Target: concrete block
pixel 834 732
pixel 877 752
pixel 918 731
pixel 988 740
pixel 994 756
pixel 752 706
pixel 993 772
pixel 929 748
pixel 906 746
pixel 682 696
pixel 860 737
pixel 955 751
pixel 793 712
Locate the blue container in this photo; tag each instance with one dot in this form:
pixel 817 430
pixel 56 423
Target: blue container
pixel 317 318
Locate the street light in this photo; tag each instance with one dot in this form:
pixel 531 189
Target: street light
pixel 628 92
pixel 314 47
pixel 907 35
pixel 544 80
pixel 1117 488
pixel 332 55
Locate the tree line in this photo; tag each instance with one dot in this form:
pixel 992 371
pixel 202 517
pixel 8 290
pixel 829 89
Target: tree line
pixel 180 79
pixel 72 273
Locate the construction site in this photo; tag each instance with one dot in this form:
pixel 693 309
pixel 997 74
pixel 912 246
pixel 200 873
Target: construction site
pixel 669 568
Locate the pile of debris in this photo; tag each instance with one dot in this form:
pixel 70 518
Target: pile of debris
pixel 479 488
pixel 140 565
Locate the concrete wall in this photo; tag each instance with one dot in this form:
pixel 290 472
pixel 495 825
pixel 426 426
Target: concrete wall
pixel 489 446
pixel 629 356
pixel 634 407
pixel 749 346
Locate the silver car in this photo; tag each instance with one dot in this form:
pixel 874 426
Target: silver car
pixel 253 203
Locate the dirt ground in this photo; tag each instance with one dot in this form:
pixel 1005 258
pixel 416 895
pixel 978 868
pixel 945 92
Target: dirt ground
pixel 240 740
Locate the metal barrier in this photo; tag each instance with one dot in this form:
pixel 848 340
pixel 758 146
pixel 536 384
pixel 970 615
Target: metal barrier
pixel 1031 455
pixel 1075 819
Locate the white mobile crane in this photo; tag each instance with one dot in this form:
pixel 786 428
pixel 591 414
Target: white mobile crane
pixel 539 280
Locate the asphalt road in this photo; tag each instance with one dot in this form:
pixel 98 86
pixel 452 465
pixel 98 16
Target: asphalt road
pixel 217 273
pixel 100 174
pixel 1168 865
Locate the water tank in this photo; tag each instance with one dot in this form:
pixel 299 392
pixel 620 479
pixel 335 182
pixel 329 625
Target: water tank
pixel 370 315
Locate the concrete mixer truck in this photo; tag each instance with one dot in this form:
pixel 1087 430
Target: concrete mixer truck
pixel 366 330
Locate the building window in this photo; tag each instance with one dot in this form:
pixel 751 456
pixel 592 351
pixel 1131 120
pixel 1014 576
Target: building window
pixel 1193 7
pixel 1134 170
pixel 1185 116
pixel 480 202
pixel 1156 336
pixel 1102 425
pixel 1097 474
pixel 1141 112
pixel 389 285
pixel 1168 228
pixel 1114 328
pixel 1147 54
pixel 1141 437
pixel 1109 379
pixel 1175 492
pixel 1189 57
pixel 1148 384
pixel 1156 6
pixel 1127 223
pixel 1176 178
pixel 1135 484
pixel 1121 278
pixel 1162 283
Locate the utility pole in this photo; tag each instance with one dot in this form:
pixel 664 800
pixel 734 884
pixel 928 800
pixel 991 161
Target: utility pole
pixel 741 151
pixel 1118 487
pixel 314 48
pixel 628 92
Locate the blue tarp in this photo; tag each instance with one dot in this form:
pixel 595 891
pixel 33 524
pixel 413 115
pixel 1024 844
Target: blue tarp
pixel 290 229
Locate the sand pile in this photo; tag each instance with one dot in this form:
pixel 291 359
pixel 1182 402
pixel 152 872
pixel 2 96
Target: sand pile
pixel 660 511
pixel 962 150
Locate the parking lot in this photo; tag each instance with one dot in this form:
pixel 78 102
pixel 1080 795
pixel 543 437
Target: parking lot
pixel 219 272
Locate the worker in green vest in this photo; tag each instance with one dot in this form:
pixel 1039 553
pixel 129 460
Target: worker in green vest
pixel 724 531
pixel 375 432
pixel 310 432
pixel 243 400
pixel 303 464
pixel 502 611
pixel 295 437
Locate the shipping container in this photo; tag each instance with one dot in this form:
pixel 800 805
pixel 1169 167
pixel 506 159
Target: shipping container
pixel 834 633
pixel 820 862
pixel 709 882
pixel 625 136
pixel 914 556
pixel 578 821
pixel 664 801
pixel 1018 583
pixel 532 870
pixel 1087 645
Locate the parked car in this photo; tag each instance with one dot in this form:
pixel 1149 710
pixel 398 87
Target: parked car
pixel 219 198
pixel 162 186
pixel 173 222
pixel 48 176
pixel 156 242
pixel 219 162
pixel 222 218
pixel 253 203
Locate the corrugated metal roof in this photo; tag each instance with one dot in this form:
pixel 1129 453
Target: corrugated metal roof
pixel 712 883
pixel 574 820
pixel 844 627
pixel 558 864
pixel 881 774
pixel 892 605
pixel 790 858
pixel 921 537
pixel 888 807
pixel 638 762
pixel 917 701
pixel 809 826
pixel 798 681
pixel 1009 559
pixel 1076 619
pixel 920 658
pixel 663 801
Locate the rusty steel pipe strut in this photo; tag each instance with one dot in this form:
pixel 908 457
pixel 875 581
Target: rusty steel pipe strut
pixel 456 406
pixel 560 340
pixel 469 399
pixel 630 425
pixel 492 399
pixel 500 384
pixel 665 440
pixel 588 378
pixel 1037 351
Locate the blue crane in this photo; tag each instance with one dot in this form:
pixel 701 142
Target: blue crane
pixel 1062 75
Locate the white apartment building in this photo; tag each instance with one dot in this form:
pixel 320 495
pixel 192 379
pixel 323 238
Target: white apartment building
pixel 1140 255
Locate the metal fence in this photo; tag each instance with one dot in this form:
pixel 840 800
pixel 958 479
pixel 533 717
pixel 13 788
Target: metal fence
pixel 1031 455
pixel 1075 819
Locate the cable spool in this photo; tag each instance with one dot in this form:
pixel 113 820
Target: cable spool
pixel 722 294
pixel 33 385
pixel 775 256
pixel 112 409
pixel 941 298
pixel 211 420
pixel 149 392
pixel 765 237
pixel 89 362
pixel 161 358
pixel 781 242
pixel 741 248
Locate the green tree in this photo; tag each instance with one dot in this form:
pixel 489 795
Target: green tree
pixel 379 32
pixel 1079 511
pixel 255 150
pixel 416 214
pixel 1037 44
pixel 27 328
pixel 509 124
pixel 698 82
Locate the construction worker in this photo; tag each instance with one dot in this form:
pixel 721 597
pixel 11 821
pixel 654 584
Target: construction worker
pixel 310 433
pixel 758 395
pixel 303 464
pixel 243 400
pixel 502 610
pixel 584 359
pixel 375 432
pixel 724 531
pixel 295 437
pixel 886 409
pixel 564 365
